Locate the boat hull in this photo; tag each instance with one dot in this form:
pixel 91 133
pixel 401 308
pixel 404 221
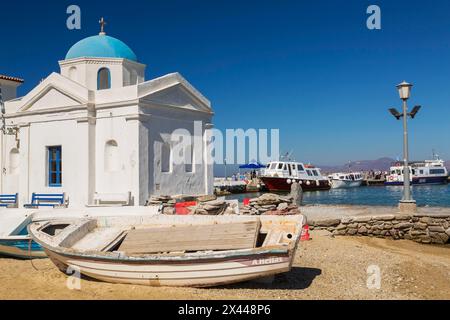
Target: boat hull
pixel 211 272
pixel 420 181
pixel 20 248
pixel 343 184
pixel 281 184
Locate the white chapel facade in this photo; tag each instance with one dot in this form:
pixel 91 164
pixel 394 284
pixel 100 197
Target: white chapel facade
pixel 98 127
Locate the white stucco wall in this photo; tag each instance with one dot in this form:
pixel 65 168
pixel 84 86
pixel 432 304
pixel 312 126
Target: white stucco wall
pixel 138 118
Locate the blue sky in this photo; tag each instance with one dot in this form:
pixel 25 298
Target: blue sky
pixel 310 68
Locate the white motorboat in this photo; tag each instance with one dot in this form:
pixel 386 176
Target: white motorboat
pixel 346 180
pixel 423 172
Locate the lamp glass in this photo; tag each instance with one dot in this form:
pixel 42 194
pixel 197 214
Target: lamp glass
pixel 404 90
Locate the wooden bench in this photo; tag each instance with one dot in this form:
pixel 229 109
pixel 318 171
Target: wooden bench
pixel 112 199
pixel 47 200
pixel 9 200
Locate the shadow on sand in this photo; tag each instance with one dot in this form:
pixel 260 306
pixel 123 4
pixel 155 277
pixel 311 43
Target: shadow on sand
pixel 297 279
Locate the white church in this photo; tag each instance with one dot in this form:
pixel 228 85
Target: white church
pixel 98 127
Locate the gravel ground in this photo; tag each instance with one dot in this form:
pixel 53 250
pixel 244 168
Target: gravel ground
pixel 324 268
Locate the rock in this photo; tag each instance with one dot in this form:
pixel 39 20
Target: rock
pixel 403 225
pixel 352 225
pixel 206 198
pixel 436 229
pixel 387 226
pixel 340 232
pixel 229 210
pixel 346 220
pixel 328 223
pixel 294 211
pixel 352 231
pixel 169 210
pixel 448 232
pixel 420 225
pixel 426 220
pixel 417 233
pixel 282 206
pixel 384 217
pixel 403 217
pixel 362 219
pixel 440 238
pixel 362 230
pixel 341 227
pixel 200 211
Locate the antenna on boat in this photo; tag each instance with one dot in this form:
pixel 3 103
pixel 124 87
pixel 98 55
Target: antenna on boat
pixel 435 155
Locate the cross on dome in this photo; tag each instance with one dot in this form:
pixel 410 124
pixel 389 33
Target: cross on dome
pixel 102 26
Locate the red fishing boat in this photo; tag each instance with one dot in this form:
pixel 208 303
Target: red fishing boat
pixel 279 175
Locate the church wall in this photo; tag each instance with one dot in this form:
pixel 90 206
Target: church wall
pixel 117 151
pixel 158 131
pixel 73 139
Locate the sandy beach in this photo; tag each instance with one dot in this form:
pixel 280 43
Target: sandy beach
pixel 325 267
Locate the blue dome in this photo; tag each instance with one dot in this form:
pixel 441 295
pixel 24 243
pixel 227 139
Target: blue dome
pixel 101 46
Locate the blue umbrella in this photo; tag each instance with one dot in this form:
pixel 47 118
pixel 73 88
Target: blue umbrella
pixel 251 165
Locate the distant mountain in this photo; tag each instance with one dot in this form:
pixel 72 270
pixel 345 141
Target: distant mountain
pixel 381 164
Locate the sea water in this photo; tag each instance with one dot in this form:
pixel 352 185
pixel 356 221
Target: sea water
pixel 430 195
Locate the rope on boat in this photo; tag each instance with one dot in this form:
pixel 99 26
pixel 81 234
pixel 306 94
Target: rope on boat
pixel 29 254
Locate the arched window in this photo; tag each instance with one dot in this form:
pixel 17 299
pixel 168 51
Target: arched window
pixel 14 161
pixel 73 73
pixel 111 156
pixel 165 157
pixel 103 79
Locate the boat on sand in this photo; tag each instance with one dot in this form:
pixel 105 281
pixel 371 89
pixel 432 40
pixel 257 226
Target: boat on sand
pixel 165 250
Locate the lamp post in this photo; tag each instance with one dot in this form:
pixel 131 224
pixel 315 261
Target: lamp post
pixel 404 90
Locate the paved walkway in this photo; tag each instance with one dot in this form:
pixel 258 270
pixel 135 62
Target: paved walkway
pixel 319 212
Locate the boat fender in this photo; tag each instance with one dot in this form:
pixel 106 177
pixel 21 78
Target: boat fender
pixel 318 182
pixel 308 183
pixel 288 181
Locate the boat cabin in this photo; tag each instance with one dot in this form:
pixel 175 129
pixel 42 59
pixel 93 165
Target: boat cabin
pixel 283 169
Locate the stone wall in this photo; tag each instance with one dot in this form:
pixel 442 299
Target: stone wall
pixel 420 228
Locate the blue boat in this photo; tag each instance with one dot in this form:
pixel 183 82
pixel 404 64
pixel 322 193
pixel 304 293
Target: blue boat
pixel 421 173
pixel 14 239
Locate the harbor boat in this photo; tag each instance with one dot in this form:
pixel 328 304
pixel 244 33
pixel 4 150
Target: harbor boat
pixel 278 176
pixel 14 239
pixel 346 180
pixel 170 250
pixel 423 172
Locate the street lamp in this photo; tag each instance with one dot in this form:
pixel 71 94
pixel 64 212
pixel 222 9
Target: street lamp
pixel 404 90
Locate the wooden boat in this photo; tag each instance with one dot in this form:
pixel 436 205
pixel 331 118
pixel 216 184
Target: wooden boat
pixel 14 239
pixel 163 250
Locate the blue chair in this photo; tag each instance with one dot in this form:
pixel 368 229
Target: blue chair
pixel 9 200
pixel 47 200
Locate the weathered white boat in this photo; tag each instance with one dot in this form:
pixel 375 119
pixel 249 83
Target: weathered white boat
pixel 197 251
